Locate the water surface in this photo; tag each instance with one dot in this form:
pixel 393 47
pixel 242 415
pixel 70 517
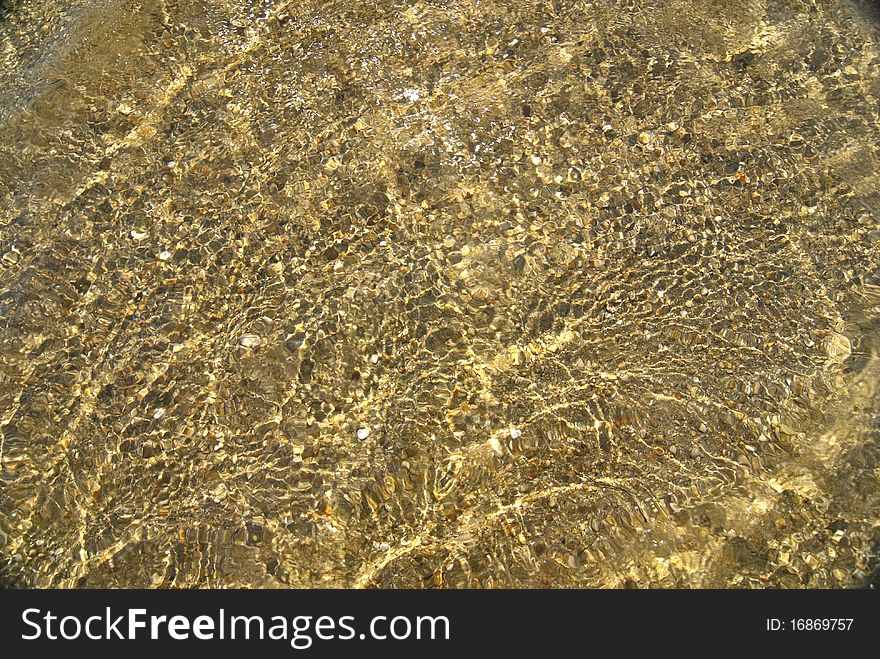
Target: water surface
pixel 439 294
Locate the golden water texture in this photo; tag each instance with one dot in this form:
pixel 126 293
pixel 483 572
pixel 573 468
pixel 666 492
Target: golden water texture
pixel 439 294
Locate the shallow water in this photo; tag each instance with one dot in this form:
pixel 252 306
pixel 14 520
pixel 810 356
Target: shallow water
pixel 439 294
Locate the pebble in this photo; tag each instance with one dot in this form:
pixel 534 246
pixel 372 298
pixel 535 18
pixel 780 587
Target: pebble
pixel 250 341
pixel 515 433
pixel 11 258
pixel 363 433
pixel 838 347
pixel 138 235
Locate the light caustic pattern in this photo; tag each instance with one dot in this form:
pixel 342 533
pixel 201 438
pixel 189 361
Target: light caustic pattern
pixel 439 294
